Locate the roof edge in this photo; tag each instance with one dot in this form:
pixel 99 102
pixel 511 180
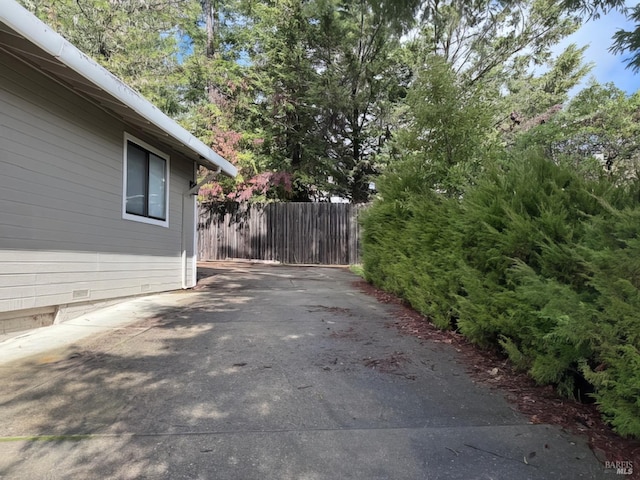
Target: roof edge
pixel 45 38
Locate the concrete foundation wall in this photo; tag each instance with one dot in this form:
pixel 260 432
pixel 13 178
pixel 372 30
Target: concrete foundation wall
pixel 19 320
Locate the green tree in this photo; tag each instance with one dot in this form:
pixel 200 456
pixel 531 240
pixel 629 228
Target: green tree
pixel 220 99
pixel 361 78
pixel 491 41
pixel 328 75
pixel 472 73
pixel 140 42
pixel 597 131
pixel 279 52
pixel 531 100
pixel 447 138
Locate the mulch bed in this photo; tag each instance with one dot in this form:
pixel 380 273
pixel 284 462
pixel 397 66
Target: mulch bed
pixel 540 403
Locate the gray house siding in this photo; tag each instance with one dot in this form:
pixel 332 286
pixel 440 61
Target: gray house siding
pixel 62 236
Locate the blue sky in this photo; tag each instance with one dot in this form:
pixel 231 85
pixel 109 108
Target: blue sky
pixel 607 67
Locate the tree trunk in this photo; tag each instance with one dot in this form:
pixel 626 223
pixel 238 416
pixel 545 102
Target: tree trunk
pixel 210 9
pixel 211 21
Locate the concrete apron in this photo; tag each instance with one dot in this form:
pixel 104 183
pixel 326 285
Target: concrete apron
pixel 266 372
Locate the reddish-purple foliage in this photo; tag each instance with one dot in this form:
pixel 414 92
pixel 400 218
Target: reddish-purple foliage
pixel 225 143
pixel 260 184
pixel 211 190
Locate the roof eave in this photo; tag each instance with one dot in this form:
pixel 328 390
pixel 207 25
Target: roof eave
pixel 46 39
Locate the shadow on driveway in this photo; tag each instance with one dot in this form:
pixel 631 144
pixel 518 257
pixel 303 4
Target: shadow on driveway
pixel 268 372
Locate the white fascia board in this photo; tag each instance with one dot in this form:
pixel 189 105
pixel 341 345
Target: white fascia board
pixel 41 35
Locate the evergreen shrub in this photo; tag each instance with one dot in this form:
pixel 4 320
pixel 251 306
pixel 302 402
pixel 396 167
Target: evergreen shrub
pixel 534 260
pixel 409 251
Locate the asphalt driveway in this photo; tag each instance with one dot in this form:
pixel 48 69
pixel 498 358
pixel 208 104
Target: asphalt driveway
pixel 265 372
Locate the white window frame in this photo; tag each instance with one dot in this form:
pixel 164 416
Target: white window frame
pixel 140 218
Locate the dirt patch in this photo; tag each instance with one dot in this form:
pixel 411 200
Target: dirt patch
pixel 389 364
pixel 334 310
pixel 350 333
pixel 540 403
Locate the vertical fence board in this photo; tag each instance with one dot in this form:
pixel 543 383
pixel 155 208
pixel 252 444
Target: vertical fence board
pixel 315 233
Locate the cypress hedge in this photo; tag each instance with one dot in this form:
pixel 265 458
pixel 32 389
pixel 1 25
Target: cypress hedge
pixel 533 259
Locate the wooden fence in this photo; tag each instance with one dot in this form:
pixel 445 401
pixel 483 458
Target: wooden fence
pixel 295 233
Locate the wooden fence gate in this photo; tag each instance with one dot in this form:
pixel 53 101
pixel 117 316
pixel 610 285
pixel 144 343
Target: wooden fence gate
pixel 313 233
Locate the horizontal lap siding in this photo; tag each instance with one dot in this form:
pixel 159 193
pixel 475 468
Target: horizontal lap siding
pixel 53 283
pixel 61 226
